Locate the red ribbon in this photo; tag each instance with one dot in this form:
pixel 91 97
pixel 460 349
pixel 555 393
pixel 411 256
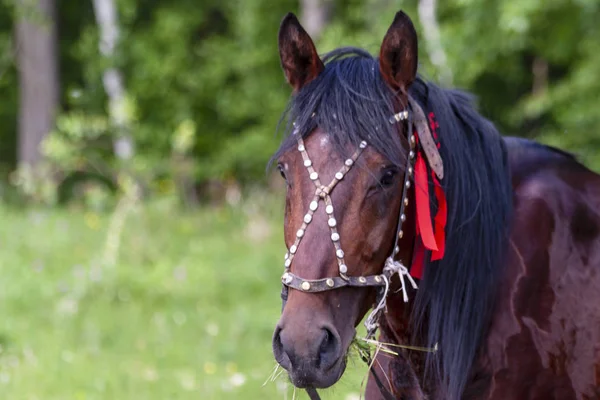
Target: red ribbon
pixel 426 236
pixel 422 200
pixel 416 268
pixel 441 217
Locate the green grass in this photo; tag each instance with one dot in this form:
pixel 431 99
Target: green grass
pixel 187 312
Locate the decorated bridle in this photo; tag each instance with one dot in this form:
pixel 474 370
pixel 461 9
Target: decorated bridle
pixel 323 193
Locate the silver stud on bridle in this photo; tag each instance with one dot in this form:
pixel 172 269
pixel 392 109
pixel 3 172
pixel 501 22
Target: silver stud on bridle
pixel 323 192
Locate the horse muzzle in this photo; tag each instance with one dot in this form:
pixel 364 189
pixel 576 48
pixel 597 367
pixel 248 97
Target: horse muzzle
pixel 313 358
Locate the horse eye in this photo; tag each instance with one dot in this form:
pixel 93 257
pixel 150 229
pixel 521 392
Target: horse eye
pixel 387 178
pixel 281 171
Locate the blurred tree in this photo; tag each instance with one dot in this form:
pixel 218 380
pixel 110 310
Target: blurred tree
pixel 9 89
pixel 108 24
pixel 533 65
pixel 216 65
pixel 205 89
pixel 433 44
pixel 38 75
pixel 314 16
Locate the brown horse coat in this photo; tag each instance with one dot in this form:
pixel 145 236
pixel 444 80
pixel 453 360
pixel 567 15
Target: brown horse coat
pixel 544 341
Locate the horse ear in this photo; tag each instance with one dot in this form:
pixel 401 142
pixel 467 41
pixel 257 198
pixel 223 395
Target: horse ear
pixel 299 59
pixel 399 53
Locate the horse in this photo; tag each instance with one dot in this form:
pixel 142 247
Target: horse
pixel 476 254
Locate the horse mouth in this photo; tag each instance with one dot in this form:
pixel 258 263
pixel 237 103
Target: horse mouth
pixel 317 379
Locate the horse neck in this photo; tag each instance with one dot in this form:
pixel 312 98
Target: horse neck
pixel 406 370
pixel 397 316
pixel 396 321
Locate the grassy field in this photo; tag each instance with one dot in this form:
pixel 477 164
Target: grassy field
pixel 185 312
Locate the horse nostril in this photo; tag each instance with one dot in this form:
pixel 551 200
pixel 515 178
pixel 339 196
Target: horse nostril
pixel 329 349
pixel 278 351
pixel 293 351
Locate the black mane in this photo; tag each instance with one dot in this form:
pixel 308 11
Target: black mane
pixel 455 300
pixel 351 102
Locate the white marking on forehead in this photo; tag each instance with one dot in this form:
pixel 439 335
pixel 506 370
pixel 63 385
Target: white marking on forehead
pixel 324 142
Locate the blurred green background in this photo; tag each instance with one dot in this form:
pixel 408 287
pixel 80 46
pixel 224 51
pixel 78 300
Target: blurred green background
pixel 140 234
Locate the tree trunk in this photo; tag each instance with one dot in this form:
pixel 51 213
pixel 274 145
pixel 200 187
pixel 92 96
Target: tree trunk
pixel 539 70
pixel 314 16
pixel 108 24
pixel 433 41
pixel 37 65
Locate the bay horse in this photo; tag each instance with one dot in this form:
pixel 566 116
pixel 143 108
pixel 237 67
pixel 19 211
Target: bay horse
pixel 480 250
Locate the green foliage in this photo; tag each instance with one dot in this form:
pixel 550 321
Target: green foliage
pixel 35 185
pixel 216 65
pixel 496 46
pixel 77 137
pixel 206 76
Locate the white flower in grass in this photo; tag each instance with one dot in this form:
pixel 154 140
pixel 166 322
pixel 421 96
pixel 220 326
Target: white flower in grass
pixel 187 380
pixel 212 329
pixel 67 306
pixel 67 356
pixel 237 380
pixel 150 374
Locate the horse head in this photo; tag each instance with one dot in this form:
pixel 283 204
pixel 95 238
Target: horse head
pixel 348 157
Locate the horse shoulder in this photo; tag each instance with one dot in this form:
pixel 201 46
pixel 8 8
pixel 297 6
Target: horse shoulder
pixel 544 340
